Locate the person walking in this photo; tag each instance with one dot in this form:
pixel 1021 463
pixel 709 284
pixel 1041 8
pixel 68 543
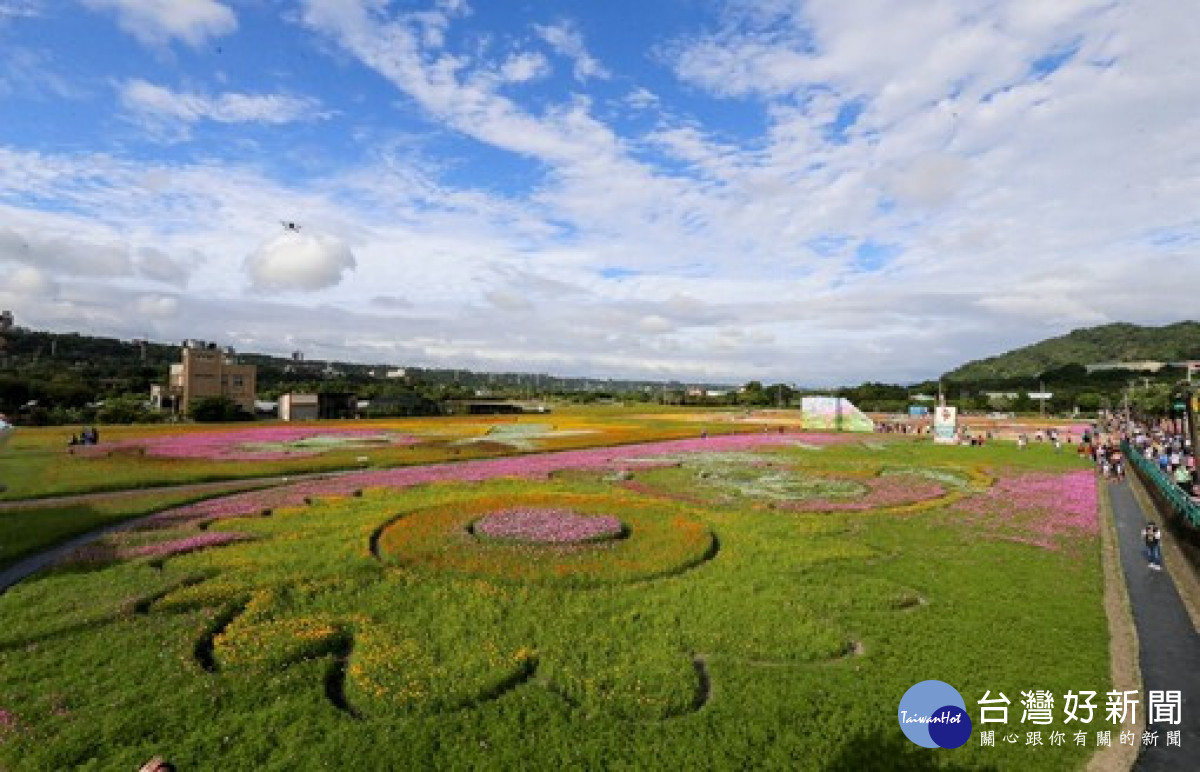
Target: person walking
pixel 1152 535
pixel 1183 478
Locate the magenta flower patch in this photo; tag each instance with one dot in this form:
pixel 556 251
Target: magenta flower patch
pixel 547 526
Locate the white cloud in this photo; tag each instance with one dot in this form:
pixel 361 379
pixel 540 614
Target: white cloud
pixel 929 180
pixel 157 22
pixel 304 262
pixel 159 266
pixel 27 281
pixel 158 306
pixel 523 68
pixel 159 103
pixel 400 48
pixel 566 39
pixel 66 255
pixel 642 99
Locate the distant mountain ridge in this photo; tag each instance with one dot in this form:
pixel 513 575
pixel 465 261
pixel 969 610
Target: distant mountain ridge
pixel 1118 342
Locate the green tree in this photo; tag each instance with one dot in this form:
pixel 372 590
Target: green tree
pixel 125 409
pixel 754 394
pixel 210 409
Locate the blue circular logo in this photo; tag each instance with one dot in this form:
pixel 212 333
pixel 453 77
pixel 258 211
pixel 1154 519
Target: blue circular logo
pixel 934 715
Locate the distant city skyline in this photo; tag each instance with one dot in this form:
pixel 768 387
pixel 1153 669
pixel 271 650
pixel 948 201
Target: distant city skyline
pixel 822 192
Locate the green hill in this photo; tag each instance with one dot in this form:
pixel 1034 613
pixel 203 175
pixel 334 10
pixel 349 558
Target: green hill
pixel 1118 342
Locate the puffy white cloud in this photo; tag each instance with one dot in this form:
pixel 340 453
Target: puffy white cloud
pixel 157 22
pixel 300 261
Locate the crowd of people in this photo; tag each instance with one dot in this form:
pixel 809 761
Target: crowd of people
pixel 1163 444
pixel 1171 450
pixel 88 436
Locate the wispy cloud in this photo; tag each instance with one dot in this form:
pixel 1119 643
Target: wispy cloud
pixel 19 9
pixel 161 104
pixel 566 39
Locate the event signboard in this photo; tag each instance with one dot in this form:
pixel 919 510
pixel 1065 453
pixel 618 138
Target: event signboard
pixel 945 424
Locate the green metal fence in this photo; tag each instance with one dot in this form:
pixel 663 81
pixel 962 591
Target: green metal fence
pixel 1162 487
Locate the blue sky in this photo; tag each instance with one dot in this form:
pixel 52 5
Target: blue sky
pixel 820 191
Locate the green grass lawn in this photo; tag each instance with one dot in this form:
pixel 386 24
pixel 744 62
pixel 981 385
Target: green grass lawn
pixel 338 636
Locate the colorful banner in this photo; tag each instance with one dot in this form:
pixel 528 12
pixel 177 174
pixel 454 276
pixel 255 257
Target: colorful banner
pixel 834 414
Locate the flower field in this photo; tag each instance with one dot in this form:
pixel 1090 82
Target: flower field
pixel 756 600
pixel 39 462
pixel 267 443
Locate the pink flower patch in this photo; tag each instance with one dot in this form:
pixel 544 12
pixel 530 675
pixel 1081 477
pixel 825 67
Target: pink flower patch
pixel 104 552
pixel 1040 506
pixel 547 526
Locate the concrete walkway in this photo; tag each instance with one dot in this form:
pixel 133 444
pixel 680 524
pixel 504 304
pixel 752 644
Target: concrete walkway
pixel 1168 641
pixel 218 486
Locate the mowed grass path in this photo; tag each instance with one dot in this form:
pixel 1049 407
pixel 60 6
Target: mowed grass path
pixel 788 647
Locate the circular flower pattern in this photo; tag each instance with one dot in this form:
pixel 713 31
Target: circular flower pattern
pixel 556 538
pixel 537 525
pixel 781 486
